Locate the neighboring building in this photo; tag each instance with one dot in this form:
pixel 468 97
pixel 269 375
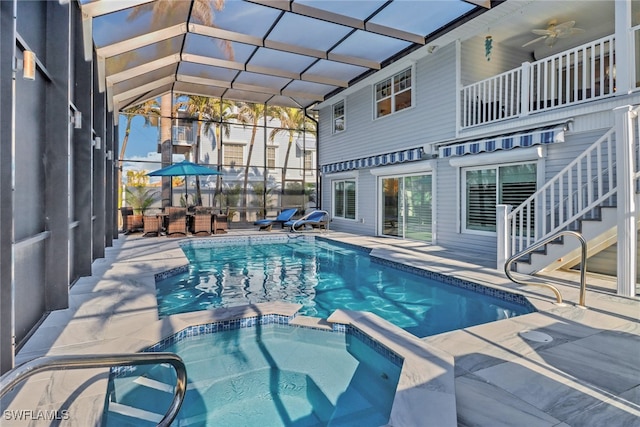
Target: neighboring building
pixel 427 148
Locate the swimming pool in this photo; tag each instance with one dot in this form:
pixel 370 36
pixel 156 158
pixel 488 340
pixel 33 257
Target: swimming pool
pixel 323 276
pixel 262 373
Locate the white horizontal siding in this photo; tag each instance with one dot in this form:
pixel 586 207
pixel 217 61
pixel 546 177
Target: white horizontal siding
pixel 449 210
pixel 431 118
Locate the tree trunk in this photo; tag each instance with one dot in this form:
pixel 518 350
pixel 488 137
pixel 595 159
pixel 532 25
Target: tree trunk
pixel 166 146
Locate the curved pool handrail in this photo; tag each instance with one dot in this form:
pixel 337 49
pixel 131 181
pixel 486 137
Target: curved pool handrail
pixel 85 361
pixel 583 265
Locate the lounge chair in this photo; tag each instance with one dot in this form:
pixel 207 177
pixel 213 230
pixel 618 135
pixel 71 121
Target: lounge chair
pixel 176 221
pixel 315 219
pixel 282 218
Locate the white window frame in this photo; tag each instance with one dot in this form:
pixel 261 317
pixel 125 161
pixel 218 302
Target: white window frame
pixel 273 149
pixel 393 94
pixel 224 154
pixel 342 117
pixel 495 166
pixel 335 181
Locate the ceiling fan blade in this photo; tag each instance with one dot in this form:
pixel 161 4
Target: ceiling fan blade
pixel 534 41
pixel 550 41
pixel 565 25
pixel 542 32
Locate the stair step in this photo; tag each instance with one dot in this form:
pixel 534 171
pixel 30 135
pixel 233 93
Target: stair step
pixel 139 415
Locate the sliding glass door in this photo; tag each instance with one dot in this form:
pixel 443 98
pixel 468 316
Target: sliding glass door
pixel 407 207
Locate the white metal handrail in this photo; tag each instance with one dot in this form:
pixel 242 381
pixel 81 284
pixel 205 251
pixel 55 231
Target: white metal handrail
pixel 583 265
pixel 86 361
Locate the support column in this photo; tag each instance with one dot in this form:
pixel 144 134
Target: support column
pixel 82 155
pixel 111 186
pixel 502 231
pixel 623 43
pixel 7 117
pixel 100 215
pixel 57 181
pixel 627 210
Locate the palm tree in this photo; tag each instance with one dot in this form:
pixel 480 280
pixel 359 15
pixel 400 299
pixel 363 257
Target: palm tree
pixel 205 110
pixel 150 111
pixel 162 13
pixel 293 122
pixel 250 114
pixel 224 113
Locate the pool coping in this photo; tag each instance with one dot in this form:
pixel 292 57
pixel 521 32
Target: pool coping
pixel 426 378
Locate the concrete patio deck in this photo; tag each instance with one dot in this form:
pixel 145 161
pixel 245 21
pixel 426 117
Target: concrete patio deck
pixel 587 375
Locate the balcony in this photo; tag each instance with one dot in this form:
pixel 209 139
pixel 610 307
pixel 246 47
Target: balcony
pixel 582 74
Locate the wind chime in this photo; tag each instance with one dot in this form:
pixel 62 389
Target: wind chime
pixel 488 45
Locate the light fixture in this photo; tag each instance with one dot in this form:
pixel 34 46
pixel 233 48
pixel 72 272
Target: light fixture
pixel 27 64
pixel 109 155
pixel 76 119
pixel 97 142
pixel 432 48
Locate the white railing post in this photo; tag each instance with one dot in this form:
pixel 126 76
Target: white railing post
pixel 627 213
pixel 525 84
pixel 502 231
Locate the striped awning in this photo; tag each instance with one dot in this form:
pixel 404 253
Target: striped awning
pixel 547 135
pixel 409 155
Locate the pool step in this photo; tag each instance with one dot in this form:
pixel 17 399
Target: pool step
pixel 139 397
pixel 124 415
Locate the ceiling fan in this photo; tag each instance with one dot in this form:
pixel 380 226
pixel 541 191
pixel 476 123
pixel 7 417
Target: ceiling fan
pixel 555 31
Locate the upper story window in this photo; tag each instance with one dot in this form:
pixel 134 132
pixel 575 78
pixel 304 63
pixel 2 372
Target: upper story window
pixel 393 94
pixel 271 157
pixel 308 160
pixel 339 122
pixel 233 154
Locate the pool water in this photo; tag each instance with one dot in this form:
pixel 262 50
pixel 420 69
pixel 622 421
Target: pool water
pixel 267 375
pixel 324 276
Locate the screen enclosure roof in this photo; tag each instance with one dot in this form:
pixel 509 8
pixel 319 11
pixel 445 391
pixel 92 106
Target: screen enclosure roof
pixel 281 52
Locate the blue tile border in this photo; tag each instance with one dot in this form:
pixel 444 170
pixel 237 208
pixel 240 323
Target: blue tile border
pixel 460 283
pixel 253 321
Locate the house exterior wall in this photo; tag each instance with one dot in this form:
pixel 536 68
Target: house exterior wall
pixel 433 120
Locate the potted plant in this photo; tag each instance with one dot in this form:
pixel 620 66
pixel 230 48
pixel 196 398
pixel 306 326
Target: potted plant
pixel 140 199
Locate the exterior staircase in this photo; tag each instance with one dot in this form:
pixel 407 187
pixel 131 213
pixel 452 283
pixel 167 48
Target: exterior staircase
pixel 583 197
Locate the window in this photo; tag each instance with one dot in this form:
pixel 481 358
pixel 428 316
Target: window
pixel 233 154
pixel 338 117
pixel 487 187
pixel 271 157
pixel 393 94
pixel 344 199
pixel 308 160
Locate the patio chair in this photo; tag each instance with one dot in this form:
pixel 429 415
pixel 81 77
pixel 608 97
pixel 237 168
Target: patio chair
pixel 151 225
pixel 176 221
pixel 282 218
pixel 221 222
pixel 315 219
pixel 202 219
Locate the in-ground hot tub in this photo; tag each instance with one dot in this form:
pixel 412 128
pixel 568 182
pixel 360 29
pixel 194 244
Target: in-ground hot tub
pixel 262 371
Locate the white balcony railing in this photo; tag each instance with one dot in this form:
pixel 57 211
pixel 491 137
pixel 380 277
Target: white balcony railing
pixel 577 75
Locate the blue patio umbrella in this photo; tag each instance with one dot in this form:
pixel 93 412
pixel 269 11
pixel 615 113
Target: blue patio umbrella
pixel 184 168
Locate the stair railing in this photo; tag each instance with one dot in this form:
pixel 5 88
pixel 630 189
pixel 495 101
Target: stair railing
pixel 86 361
pixel 592 170
pixel 583 266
